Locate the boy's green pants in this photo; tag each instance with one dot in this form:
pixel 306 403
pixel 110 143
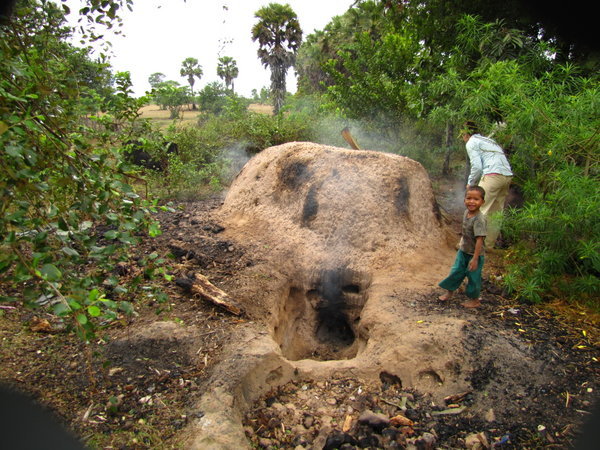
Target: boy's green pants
pixel 460 270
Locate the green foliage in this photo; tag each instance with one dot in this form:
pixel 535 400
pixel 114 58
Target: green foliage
pixel 259 131
pixel 279 35
pixel 197 166
pixel 156 79
pixel 170 95
pixel 263 97
pixel 558 235
pixel 211 153
pixel 68 213
pixel 213 98
pixel 366 76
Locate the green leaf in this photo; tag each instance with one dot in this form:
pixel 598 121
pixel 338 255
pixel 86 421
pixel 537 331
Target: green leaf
pixel 94 295
pixel 70 251
pixel 126 238
pixel 82 319
pixel 110 315
pixel 121 290
pixel 109 303
pixel 111 234
pixel 63 225
pixel 60 309
pixel 40 237
pixel 14 151
pixel 3 127
pixel 94 311
pixel 21 273
pixel 52 211
pixel 6 261
pixel 154 229
pixel 50 272
pixel 74 304
pixel 126 307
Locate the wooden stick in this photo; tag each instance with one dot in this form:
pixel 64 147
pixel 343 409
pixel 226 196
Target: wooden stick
pixel 201 286
pixel 349 139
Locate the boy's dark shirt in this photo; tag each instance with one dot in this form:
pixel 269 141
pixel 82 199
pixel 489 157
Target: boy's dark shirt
pixel 472 227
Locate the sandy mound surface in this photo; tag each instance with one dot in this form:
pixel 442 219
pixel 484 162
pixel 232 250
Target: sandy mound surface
pixel 327 207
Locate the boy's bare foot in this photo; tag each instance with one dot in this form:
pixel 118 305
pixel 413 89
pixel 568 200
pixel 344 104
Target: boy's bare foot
pixel 473 303
pixel 446 296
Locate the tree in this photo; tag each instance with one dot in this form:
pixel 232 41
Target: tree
pixel 227 70
pixel 169 94
pixel 279 36
pixel 156 79
pixel 191 69
pixel 213 98
pixel 67 213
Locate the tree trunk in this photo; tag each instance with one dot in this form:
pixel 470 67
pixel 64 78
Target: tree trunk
pixel 448 145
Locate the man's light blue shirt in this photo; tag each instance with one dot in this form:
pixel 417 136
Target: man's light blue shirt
pixel 486 157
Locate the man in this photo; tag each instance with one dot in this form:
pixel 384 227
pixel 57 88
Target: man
pixel 490 170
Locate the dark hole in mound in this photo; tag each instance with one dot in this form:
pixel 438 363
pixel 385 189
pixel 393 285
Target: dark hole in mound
pixel 401 196
pixel 332 317
pixel 294 174
pixel 389 379
pixel 333 328
pixel 311 206
pixel 351 288
pixel 321 322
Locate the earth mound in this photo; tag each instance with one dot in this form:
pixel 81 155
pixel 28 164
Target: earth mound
pixel 328 207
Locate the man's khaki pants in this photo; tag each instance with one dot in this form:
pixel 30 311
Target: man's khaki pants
pixel 496 190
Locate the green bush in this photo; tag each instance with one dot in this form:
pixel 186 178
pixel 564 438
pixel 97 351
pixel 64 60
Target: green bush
pixel 558 239
pixel 196 168
pixel 213 98
pixel 68 214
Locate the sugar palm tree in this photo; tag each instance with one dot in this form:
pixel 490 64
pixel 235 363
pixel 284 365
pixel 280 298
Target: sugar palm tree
pixel 279 36
pixel 227 70
pixel 191 69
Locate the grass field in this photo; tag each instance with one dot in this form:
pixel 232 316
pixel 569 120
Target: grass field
pixel 188 116
pixel 261 108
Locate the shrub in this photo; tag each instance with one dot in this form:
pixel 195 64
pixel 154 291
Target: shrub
pixel 559 239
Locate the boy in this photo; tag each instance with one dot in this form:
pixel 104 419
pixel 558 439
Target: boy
pixel 469 259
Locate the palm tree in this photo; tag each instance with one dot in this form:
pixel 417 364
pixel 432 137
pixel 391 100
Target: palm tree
pixel 227 70
pixel 190 69
pixel 279 36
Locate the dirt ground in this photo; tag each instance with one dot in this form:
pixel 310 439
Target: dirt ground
pixel 417 373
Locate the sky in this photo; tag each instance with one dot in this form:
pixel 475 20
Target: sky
pixel 160 34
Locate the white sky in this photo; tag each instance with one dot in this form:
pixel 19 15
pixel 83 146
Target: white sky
pixel 160 34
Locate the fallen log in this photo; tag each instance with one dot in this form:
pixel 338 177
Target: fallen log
pixel 199 284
